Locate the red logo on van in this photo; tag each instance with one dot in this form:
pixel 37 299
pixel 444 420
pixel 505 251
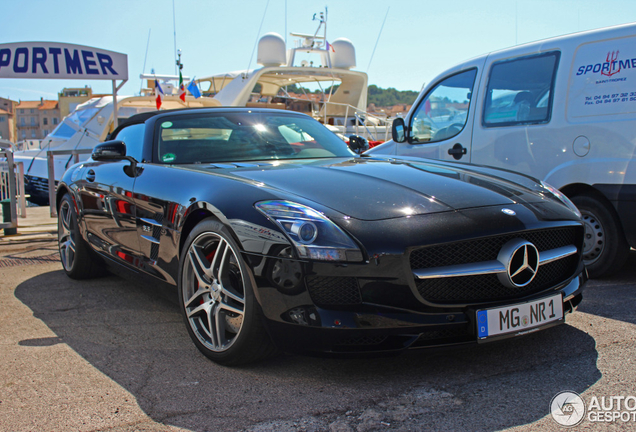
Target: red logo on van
pixel 612 58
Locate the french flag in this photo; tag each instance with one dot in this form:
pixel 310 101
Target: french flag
pixel 329 47
pixel 158 94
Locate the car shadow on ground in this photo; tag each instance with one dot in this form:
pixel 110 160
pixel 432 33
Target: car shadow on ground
pixel 136 337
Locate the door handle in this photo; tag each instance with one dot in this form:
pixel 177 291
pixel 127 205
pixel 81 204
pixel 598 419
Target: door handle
pixel 90 175
pixel 457 151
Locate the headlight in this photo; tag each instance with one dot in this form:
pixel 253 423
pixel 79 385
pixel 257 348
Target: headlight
pixel 561 196
pixel 313 235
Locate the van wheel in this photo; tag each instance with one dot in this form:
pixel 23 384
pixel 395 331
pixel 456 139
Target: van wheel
pixel 605 249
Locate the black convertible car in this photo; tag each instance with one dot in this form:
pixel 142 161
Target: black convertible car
pixel 278 236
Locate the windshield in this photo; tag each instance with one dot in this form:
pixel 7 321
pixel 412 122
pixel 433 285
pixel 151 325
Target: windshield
pixel 245 136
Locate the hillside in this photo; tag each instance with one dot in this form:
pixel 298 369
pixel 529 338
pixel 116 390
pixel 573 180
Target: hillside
pixel 378 96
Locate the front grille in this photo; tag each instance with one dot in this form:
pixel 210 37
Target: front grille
pixel 487 249
pixel 333 291
pixel 485 288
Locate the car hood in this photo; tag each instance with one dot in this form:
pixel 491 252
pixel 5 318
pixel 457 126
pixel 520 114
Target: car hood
pixel 379 188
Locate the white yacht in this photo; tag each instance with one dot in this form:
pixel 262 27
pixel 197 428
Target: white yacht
pixel 341 99
pixel 88 125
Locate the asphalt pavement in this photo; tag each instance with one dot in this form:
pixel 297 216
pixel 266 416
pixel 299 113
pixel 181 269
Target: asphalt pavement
pixel 110 355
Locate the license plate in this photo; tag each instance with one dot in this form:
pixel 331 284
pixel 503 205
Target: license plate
pixel 519 317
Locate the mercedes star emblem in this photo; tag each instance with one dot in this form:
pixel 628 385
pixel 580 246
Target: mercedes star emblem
pixel 521 260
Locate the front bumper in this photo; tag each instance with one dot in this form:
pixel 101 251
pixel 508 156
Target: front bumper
pixel 372 328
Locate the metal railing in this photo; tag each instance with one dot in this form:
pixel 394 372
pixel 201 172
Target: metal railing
pixel 50 154
pixel 8 187
pixel 361 118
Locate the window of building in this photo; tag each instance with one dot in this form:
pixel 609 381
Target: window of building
pixel 32 134
pixel 54 120
pixel 21 111
pixel 45 121
pixel 520 91
pixel 32 111
pixel 33 121
pixel 45 132
pixel 22 121
pixel 23 134
pixel 2 119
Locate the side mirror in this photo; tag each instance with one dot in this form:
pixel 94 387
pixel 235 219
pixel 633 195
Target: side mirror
pixel 357 144
pixel 109 150
pixel 398 130
pixel 114 151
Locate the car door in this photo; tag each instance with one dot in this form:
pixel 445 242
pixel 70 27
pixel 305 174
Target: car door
pixel 106 199
pixel 441 123
pixel 514 127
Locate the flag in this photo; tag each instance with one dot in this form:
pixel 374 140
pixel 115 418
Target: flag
pixel 158 94
pixel 182 92
pixel 330 47
pixel 193 89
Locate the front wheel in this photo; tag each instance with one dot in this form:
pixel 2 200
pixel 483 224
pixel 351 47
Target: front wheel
pixel 217 299
pixel 605 249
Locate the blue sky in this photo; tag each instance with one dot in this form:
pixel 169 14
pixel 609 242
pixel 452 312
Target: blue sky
pixel 420 38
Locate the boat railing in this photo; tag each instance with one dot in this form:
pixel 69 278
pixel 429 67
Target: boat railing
pixel 371 130
pixel 11 189
pixel 50 154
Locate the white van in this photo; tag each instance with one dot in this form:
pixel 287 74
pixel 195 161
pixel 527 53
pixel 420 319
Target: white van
pixel 562 110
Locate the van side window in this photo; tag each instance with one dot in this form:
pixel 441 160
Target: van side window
pixel 133 137
pixel 442 114
pixel 520 91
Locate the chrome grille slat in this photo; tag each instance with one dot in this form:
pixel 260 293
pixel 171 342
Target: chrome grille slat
pixel 468 272
pixel 489 267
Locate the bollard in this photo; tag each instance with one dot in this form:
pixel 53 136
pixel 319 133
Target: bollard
pixel 6 216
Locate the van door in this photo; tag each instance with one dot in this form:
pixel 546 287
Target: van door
pixel 441 123
pixel 514 125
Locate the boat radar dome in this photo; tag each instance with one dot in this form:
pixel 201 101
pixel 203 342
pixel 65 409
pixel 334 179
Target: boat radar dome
pixel 271 50
pixel 343 55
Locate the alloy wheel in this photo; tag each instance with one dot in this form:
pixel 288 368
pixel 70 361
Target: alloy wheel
pixel 66 235
pixel 214 291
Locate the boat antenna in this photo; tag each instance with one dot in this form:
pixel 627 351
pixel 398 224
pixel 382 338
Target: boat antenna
pixel 256 42
pixel 286 24
pixel 141 85
pixel 174 27
pixel 378 39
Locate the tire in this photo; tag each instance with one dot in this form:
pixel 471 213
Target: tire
pixel 217 299
pixel 605 249
pixel 78 260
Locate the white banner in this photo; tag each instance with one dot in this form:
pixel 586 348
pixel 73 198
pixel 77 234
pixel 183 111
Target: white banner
pixel 61 61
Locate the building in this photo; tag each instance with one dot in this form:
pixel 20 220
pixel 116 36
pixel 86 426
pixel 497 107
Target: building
pixel 36 119
pixel 7 119
pixel 70 98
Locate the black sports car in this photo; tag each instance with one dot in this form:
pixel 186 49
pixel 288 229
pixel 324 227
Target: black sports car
pixel 278 236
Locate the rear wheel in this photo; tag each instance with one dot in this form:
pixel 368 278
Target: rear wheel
pixel 217 299
pixel 605 249
pixel 78 260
